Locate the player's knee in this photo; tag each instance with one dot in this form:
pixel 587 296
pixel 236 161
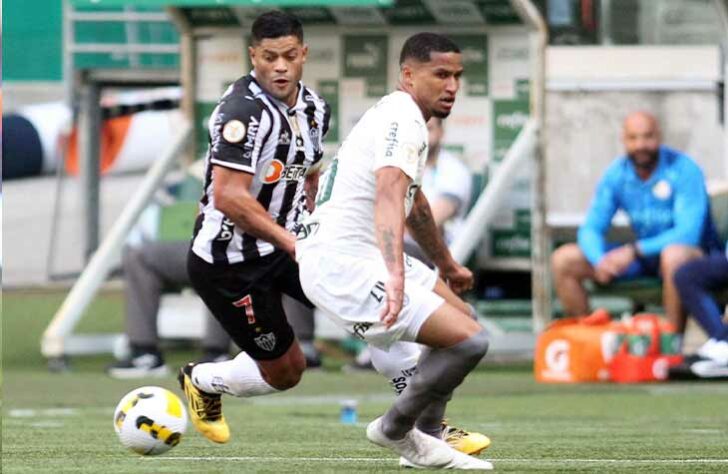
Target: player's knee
pixel 563 258
pixel 475 347
pixel 673 256
pixel 130 258
pixel 286 379
pixel 683 277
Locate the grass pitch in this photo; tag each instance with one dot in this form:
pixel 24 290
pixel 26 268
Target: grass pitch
pixel 63 422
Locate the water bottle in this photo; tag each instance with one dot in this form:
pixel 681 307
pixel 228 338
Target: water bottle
pixel 349 415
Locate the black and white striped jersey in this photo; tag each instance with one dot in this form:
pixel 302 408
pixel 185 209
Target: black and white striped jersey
pixel 252 132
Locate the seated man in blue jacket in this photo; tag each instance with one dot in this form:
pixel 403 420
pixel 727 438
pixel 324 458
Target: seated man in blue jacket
pixel 663 193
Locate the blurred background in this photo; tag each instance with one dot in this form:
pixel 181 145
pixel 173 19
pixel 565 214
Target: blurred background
pixel 96 92
pixel 105 108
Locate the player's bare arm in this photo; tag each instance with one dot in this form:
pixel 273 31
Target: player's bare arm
pixel 232 198
pixel 443 209
pixel 389 219
pixel 310 188
pixel 423 229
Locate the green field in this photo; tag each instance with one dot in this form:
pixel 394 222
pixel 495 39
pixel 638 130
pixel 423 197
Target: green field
pixel 63 422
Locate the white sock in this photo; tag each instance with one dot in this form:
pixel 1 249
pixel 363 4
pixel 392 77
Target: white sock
pixel 398 364
pixel 239 377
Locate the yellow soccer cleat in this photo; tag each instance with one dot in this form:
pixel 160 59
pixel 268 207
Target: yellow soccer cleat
pixel 205 408
pixel 464 441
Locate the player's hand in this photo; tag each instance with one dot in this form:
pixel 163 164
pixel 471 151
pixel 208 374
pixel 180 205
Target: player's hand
pixel 603 276
pixel 290 247
pixel 615 262
pixel 394 289
pixel 458 277
pixel 605 271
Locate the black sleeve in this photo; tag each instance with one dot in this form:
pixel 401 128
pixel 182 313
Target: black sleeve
pixel 238 130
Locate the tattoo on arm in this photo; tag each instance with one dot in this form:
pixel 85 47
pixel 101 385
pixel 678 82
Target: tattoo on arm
pixel 423 229
pixel 387 236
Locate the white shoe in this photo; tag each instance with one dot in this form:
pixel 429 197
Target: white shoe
pixel 709 368
pixel 715 350
pixel 416 446
pixel 459 461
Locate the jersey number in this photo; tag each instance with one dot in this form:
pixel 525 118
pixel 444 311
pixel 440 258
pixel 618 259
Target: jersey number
pixel 324 192
pixel 247 303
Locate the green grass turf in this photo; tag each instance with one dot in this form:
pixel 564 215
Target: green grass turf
pixel 63 422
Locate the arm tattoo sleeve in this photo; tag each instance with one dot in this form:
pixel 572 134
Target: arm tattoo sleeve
pixel 423 229
pixel 387 236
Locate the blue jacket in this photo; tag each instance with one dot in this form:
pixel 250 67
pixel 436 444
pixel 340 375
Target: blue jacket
pixel 671 207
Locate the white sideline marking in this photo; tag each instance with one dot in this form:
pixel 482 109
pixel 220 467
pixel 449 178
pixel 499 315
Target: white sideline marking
pixel 51 412
pixel 494 460
pixel 268 459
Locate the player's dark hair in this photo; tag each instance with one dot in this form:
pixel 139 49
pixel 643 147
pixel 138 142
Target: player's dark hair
pixel 276 24
pixel 420 46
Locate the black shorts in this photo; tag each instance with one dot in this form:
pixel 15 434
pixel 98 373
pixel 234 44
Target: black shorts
pixel 246 298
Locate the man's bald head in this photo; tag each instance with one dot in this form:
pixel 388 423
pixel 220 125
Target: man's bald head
pixel 641 138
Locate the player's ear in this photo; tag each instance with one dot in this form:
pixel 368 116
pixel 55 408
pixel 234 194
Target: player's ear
pixel 304 52
pixel 251 54
pixel 406 72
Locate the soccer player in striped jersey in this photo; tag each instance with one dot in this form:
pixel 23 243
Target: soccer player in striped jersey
pixel 265 140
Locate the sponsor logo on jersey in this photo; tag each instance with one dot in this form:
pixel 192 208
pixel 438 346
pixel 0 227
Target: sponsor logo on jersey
pixel 234 131
pixel 391 139
pixel 361 328
pixel 226 232
pixel 277 171
pixel 249 144
pixel 266 341
pixel 284 138
pixel 306 230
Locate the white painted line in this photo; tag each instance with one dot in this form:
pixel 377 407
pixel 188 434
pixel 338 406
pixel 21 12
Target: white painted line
pixel 51 412
pixel 494 460
pixel 617 461
pixel 270 459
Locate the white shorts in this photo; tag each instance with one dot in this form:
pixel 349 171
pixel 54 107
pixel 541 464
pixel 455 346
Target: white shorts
pixel 350 291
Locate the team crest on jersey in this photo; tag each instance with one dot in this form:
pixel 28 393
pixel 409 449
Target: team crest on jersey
pixel 314 133
pixel 662 190
pixel 410 152
pixel 234 131
pixel 266 341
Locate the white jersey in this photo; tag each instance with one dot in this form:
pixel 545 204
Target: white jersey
pixel 391 133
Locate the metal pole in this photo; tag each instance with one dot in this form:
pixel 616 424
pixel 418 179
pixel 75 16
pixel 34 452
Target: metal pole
pixel 540 272
pixel 53 343
pixel 89 129
pixel 487 204
pixel 188 70
pixel 69 99
pixel 605 21
pixel 722 7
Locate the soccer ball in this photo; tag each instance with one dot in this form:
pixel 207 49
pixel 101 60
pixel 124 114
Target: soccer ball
pixel 150 420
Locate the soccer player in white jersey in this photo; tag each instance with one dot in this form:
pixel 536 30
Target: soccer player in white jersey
pixel 265 139
pixel 352 264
